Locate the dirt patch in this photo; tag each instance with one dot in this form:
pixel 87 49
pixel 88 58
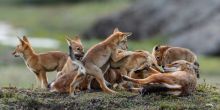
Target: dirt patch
pixel 12 98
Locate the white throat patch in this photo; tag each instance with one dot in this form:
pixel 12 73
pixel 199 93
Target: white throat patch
pixel 80 67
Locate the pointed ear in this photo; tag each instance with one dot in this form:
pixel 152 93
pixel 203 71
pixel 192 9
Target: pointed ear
pixel 77 39
pixel 22 42
pixel 157 47
pixel 25 39
pixel 116 30
pixel 68 40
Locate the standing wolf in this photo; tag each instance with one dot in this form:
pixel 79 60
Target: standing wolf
pixel 100 55
pixel 40 63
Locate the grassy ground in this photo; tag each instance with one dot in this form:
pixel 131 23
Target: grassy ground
pixel 205 98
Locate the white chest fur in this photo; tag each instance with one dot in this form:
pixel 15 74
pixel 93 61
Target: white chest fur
pixel 81 68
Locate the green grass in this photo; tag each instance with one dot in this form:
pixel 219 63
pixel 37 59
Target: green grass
pixel 209 65
pixel 19 76
pixel 58 20
pixel 204 98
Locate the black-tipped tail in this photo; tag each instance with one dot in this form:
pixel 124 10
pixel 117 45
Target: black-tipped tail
pixel 154 88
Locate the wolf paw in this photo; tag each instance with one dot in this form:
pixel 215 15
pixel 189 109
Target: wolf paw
pixel 74 95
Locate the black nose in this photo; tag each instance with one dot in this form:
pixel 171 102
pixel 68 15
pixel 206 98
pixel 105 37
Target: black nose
pixel 163 66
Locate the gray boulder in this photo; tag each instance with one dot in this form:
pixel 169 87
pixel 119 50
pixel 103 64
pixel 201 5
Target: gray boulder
pixel 203 39
pixel 148 18
pixel 189 23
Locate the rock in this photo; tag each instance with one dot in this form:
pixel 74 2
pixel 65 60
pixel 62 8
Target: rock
pixel 203 39
pixel 148 18
pixel 189 23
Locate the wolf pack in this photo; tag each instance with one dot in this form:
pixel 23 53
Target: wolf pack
pixel 109 66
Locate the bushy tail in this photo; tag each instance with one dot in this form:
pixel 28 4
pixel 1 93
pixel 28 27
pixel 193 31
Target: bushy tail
pixel 159 88
pixel 153 88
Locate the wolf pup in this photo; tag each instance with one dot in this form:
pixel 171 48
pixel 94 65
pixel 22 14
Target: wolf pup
pixel 100 54
pixel 168 54
pixel 181 79
pixel 70 72
pixel 40 63
pixel 138 60
pixel 76 47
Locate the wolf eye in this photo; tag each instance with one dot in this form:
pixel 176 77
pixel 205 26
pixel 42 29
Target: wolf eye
pixel 158 58
pixel 77 48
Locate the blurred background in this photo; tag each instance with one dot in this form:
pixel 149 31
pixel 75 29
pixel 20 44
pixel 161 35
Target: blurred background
pixel 194 24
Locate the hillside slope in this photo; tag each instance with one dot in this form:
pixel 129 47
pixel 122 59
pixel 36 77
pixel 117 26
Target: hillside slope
pixel 204 98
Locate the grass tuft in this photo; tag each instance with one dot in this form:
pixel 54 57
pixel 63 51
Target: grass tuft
pixel 205 97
